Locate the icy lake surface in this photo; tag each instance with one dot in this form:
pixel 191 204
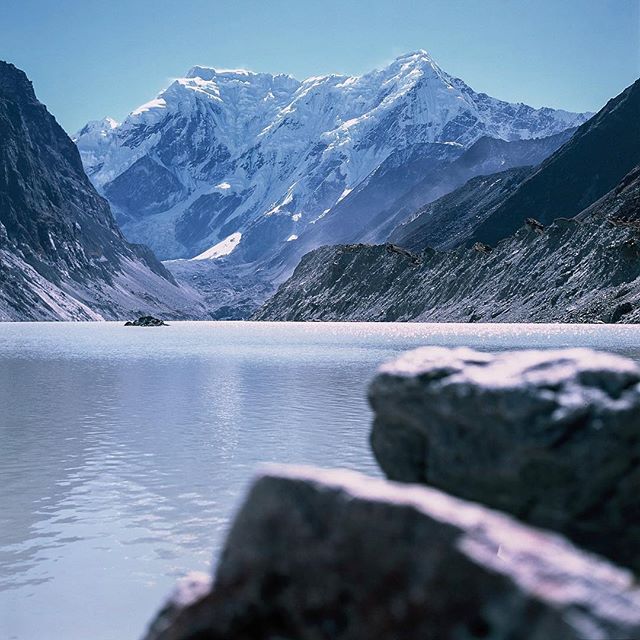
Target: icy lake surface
pixel 125 451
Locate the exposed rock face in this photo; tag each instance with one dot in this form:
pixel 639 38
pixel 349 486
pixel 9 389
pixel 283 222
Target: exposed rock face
pixel 589 165
pixel 552 437
pixel 584 269
pixel 61 253
pixel 450 220
pixel 336 555
pixel 534 225
pixel 481 247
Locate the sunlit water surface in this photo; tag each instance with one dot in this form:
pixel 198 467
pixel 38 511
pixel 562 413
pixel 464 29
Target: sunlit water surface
pixel 124 451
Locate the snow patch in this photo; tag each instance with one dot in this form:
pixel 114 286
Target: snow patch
pixel 157 103
pixel 223 248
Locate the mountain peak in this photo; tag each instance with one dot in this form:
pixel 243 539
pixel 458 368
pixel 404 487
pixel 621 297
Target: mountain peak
pixel 418 54
pixel 283 147
pixel 99 128
pixel 415 64
pixel 223 76
pixel 210 73
pixel 419 58
pixel 14 82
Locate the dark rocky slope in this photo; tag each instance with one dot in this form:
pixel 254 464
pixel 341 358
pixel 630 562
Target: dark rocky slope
pixel 62 256
pixel 592 162
pixel 578 270
pixel 599 154
pixel 450 220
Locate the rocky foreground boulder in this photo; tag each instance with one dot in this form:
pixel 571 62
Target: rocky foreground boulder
pixel 552 437
pixel 317 554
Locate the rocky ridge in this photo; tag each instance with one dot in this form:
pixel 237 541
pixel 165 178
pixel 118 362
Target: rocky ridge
pixel 62 256
pixel 579 270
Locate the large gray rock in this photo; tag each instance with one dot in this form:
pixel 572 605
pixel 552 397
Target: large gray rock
pixel 337 555
pixel 552 437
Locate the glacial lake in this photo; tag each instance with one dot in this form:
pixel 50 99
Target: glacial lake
pixel 125 451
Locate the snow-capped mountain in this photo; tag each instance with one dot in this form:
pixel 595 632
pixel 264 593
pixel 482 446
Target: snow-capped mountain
pixel 243 163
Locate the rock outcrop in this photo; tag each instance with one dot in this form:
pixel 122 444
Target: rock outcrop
pixel 62 256
pixel 552 437
pixel 534 225
pixel 336 555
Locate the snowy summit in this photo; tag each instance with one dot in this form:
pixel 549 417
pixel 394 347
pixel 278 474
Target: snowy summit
pixel 261 158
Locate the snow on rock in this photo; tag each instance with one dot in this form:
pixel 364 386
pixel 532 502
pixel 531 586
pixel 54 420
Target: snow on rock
pixel 222 248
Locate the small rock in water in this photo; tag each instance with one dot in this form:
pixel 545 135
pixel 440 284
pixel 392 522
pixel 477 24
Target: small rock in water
pixel 146 321
pixel 552 437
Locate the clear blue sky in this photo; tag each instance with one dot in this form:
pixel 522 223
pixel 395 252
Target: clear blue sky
pixel 90 58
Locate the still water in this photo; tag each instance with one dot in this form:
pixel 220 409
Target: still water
pixel 125 451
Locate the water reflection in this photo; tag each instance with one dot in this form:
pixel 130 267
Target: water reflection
pixel 124 451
